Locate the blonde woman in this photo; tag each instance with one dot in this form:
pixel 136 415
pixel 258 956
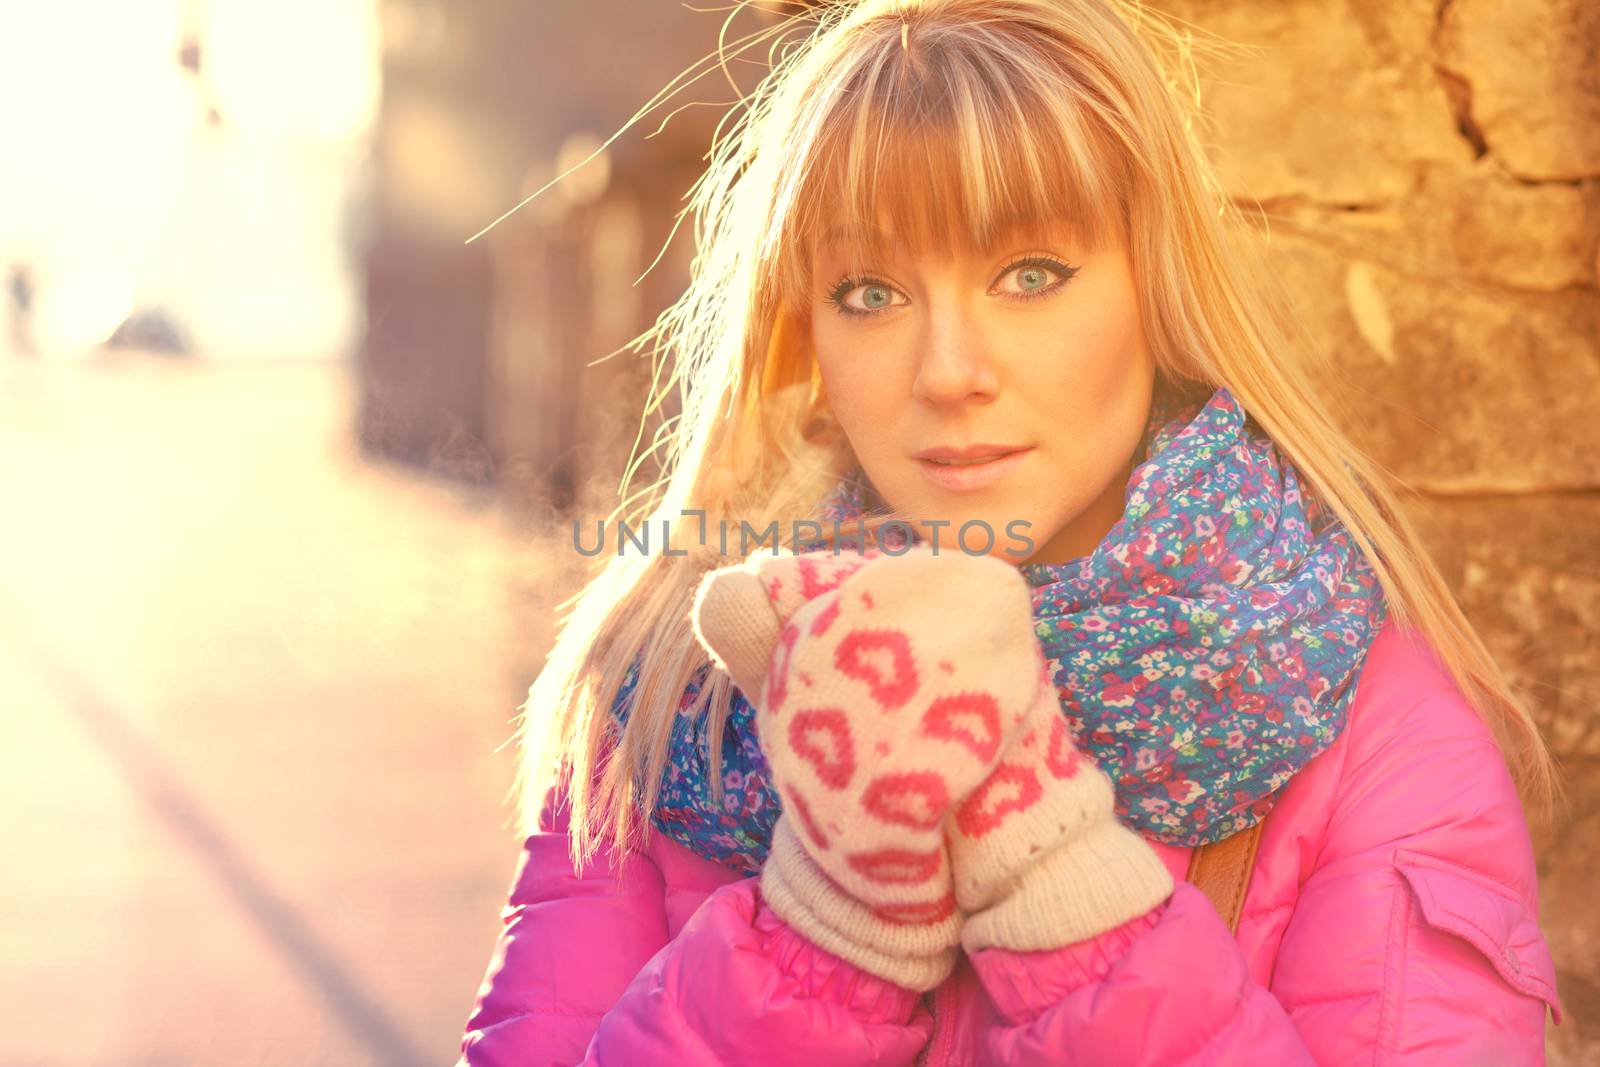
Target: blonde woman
pixel 928 792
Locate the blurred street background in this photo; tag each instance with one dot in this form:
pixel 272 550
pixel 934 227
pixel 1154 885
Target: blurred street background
pixel 287 463
pixel 253 687
pixel 279 458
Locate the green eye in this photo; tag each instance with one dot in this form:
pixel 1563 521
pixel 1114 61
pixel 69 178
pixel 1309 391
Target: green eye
pixel 863 296
pixel 1035 276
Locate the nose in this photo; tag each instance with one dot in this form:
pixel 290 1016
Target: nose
pixel 957 366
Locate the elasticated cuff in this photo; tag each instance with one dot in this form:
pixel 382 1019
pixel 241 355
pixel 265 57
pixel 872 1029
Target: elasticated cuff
pixel 821 974
pixel 1022 985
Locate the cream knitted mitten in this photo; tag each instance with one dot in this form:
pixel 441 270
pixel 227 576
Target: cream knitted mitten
pixel 932 793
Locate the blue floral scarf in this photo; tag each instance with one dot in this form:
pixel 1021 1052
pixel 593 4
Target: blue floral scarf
pixel 1204 652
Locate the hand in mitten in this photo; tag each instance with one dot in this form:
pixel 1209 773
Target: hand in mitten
pixel 771 623
pixel 905 712
pixel 1040 859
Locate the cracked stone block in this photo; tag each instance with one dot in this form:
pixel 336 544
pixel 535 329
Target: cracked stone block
pixel 1454 386
pixel 1340 103
pixel 1523 570
pixel 1477 223
pixel 1533 81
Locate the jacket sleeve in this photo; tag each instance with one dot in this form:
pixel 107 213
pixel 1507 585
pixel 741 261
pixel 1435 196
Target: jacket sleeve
pixel 569 944
pixel 584 973
pixel 740 986
pixel 1414 940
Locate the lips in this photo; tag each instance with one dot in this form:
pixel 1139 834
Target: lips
pixel 969 462
pixel 950 470
pixel 953 456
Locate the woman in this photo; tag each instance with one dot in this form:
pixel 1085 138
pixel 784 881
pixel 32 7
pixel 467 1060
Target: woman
pixel 963 265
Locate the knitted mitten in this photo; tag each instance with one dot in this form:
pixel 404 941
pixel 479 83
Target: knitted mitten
pixel 1041 860
pixel 925 768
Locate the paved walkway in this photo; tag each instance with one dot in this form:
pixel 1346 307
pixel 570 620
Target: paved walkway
pixel 251 692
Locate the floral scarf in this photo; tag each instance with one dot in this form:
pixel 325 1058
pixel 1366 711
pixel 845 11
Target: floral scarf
pixel 1204 652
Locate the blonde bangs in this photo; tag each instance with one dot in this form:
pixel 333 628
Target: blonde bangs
pixel 942 144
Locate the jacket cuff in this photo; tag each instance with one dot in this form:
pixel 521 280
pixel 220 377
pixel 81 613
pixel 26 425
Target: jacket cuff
pixel 1024 984
pixel 824 976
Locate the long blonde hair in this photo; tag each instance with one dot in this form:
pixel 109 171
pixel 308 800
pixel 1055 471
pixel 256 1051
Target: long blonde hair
pixel 950 119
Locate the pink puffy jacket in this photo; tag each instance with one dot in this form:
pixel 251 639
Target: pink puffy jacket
pixel 1392 918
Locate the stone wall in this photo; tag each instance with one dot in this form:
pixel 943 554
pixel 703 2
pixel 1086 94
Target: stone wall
pixel 1429 173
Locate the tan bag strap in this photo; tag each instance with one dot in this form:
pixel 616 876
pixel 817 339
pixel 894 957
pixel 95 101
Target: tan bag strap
pixel 1222 871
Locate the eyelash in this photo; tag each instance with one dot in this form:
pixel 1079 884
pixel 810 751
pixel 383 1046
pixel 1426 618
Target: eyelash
pixel 1066 271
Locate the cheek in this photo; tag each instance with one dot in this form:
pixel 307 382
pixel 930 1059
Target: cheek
pixel 861 395
pixel 1096 386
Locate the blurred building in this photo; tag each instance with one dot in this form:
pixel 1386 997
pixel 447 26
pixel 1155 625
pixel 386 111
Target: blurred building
pixel 480 358
pixel 166 162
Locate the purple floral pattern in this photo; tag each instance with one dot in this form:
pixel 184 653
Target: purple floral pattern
pixel 738 832
pixel 1204 652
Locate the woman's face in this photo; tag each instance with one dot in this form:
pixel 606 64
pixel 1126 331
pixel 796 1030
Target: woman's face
pixel 1031 354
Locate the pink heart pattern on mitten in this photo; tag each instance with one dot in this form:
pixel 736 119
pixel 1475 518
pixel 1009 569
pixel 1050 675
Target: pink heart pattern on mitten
pixel 920 684
pixel 821 738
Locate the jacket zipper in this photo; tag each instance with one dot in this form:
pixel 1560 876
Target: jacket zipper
pixel 928 998
pixel 936 1052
